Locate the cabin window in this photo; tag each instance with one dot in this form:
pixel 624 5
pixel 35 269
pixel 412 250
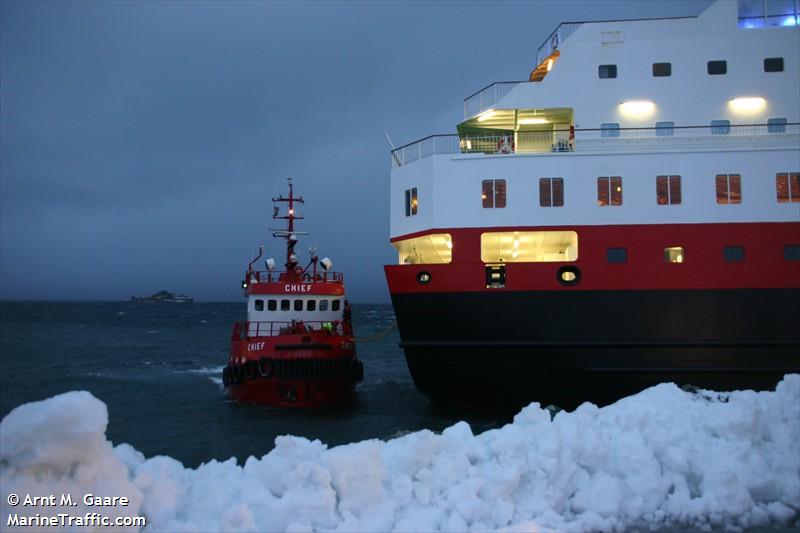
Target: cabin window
pixel 323 305
pixel 791 252
pixel 607 71
pixel 311 305
pixel 493 193
pixel 665 129
pixel 411 202
pixel 717 67
pixel 529 246
pixel 335 305
pixel 551 192
pixel 432 248
pixel 729 189
pixel 285 305
pixel 661 70
pixel 609 190
pixel 733 254
pixel 668 190
pixel 616 255
pixel 259 305
pixel 609 129
pixel 272 305
pixel 787 185
pixel 298 305
pixel 773 64
pixel 674 254
pixel 720 127
pixel 776 125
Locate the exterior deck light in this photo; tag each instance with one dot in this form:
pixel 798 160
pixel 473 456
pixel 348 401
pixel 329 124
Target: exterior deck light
pixel 747 104
pixel 549 64
pixel 486 115
pixel 637 108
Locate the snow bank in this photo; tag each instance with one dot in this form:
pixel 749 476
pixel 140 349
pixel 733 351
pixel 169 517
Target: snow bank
pixel 663 456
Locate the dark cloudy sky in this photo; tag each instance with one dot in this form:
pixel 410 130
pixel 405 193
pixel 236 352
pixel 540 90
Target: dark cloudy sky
pixel 141 141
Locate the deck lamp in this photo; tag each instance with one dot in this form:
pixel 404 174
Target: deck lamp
pixel 749 104
pixel 637 108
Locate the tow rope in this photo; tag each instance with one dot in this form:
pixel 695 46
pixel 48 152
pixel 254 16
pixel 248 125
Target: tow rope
pixel 379 335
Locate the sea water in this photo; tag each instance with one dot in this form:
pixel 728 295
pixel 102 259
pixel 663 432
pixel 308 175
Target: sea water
pixel 158 367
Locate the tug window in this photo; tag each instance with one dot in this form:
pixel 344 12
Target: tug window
pixel 674 254
pixel 787 186
pixel 311 305
pixel 551 192
pixel 662 69
pixel 609 190
pixel 411 202
pixel 272 305
pixel 733 254
pixel 617 255
pixel 323 305
pixel 493 193
pixel 717 67
pixel 773 64
pixel 668 190
pixel 729 189
pixel 298 305
pixel 529 246
pixel 259 305
pixel 285 305
pixel 607 71
pixel 335 304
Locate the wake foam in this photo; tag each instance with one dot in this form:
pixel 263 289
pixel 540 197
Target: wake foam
pixel 664 456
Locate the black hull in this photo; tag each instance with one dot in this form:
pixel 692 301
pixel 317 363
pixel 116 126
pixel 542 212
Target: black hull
pixel 568 347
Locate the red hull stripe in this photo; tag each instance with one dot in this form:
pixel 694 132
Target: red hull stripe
pixel 764 265
pixel 294 289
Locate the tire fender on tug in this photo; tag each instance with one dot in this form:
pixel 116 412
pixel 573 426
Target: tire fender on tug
pixel 265 367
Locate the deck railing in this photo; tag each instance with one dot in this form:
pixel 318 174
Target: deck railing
pixel 487 97
pixel 631 140
pixel 274 276
pixel 555 39
pixel 244 330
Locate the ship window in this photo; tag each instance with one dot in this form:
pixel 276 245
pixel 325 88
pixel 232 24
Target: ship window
pixel 607 71
pixel 609 190
pixel 617 255
pixel 311 305
pixel 720 127
pixel 662 69
pixel 432 248
pixel 493 193
pixel 285 305
pixel 529 246
pixel 668 190
pixel 791 252
pixel 259 305
pixel 335 304
pixel 411 202
pixel 787 185
pixel 674 254
pixel 773 64
pixel 298 305
pixel 609 129
pixel 717 67
pixel 665 129
pixel 776 125
pixel 729 189
pixel 551 192
pixel 733 254
pixel 272 305
pixel 323 305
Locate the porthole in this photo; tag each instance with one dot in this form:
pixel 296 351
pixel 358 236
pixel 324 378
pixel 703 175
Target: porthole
pixel 423 278
pixel 568 275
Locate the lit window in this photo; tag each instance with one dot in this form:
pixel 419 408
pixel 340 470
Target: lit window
pixel 720 127
pixel 717 67
pixel 609 191
pixel 729 189
pixel 662 69
pixel 493 193
pixel 411 202
pixel 791 252
pixel 733 254
pixel 668 190
pixel 285 305
pixel 323 305
pixel 616 255
pixel 298 305
pixel 609 129
pixel 335 304
pixel 607 71
pixel 529 246
pixel 674 254
pixel 551 192
pixel 665 128
pixel 776 125
pixel 773 64
pixel 431 248
pixel 259 305
pixel 272 305
pixel 311 305
pixel 787 185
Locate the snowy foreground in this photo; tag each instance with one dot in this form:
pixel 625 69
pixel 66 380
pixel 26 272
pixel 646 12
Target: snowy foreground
pixel 661 457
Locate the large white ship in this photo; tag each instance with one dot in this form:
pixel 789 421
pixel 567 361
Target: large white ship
pixel 628 215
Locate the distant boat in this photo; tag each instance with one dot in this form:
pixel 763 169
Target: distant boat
pixel 164 296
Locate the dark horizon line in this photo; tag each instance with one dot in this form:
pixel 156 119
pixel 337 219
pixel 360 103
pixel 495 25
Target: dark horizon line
pixel 46 300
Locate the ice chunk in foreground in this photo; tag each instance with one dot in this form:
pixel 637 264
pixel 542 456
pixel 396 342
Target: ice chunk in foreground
pixel 662 456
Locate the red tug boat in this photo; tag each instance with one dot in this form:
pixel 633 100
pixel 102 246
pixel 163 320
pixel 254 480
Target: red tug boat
pixel 297 347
